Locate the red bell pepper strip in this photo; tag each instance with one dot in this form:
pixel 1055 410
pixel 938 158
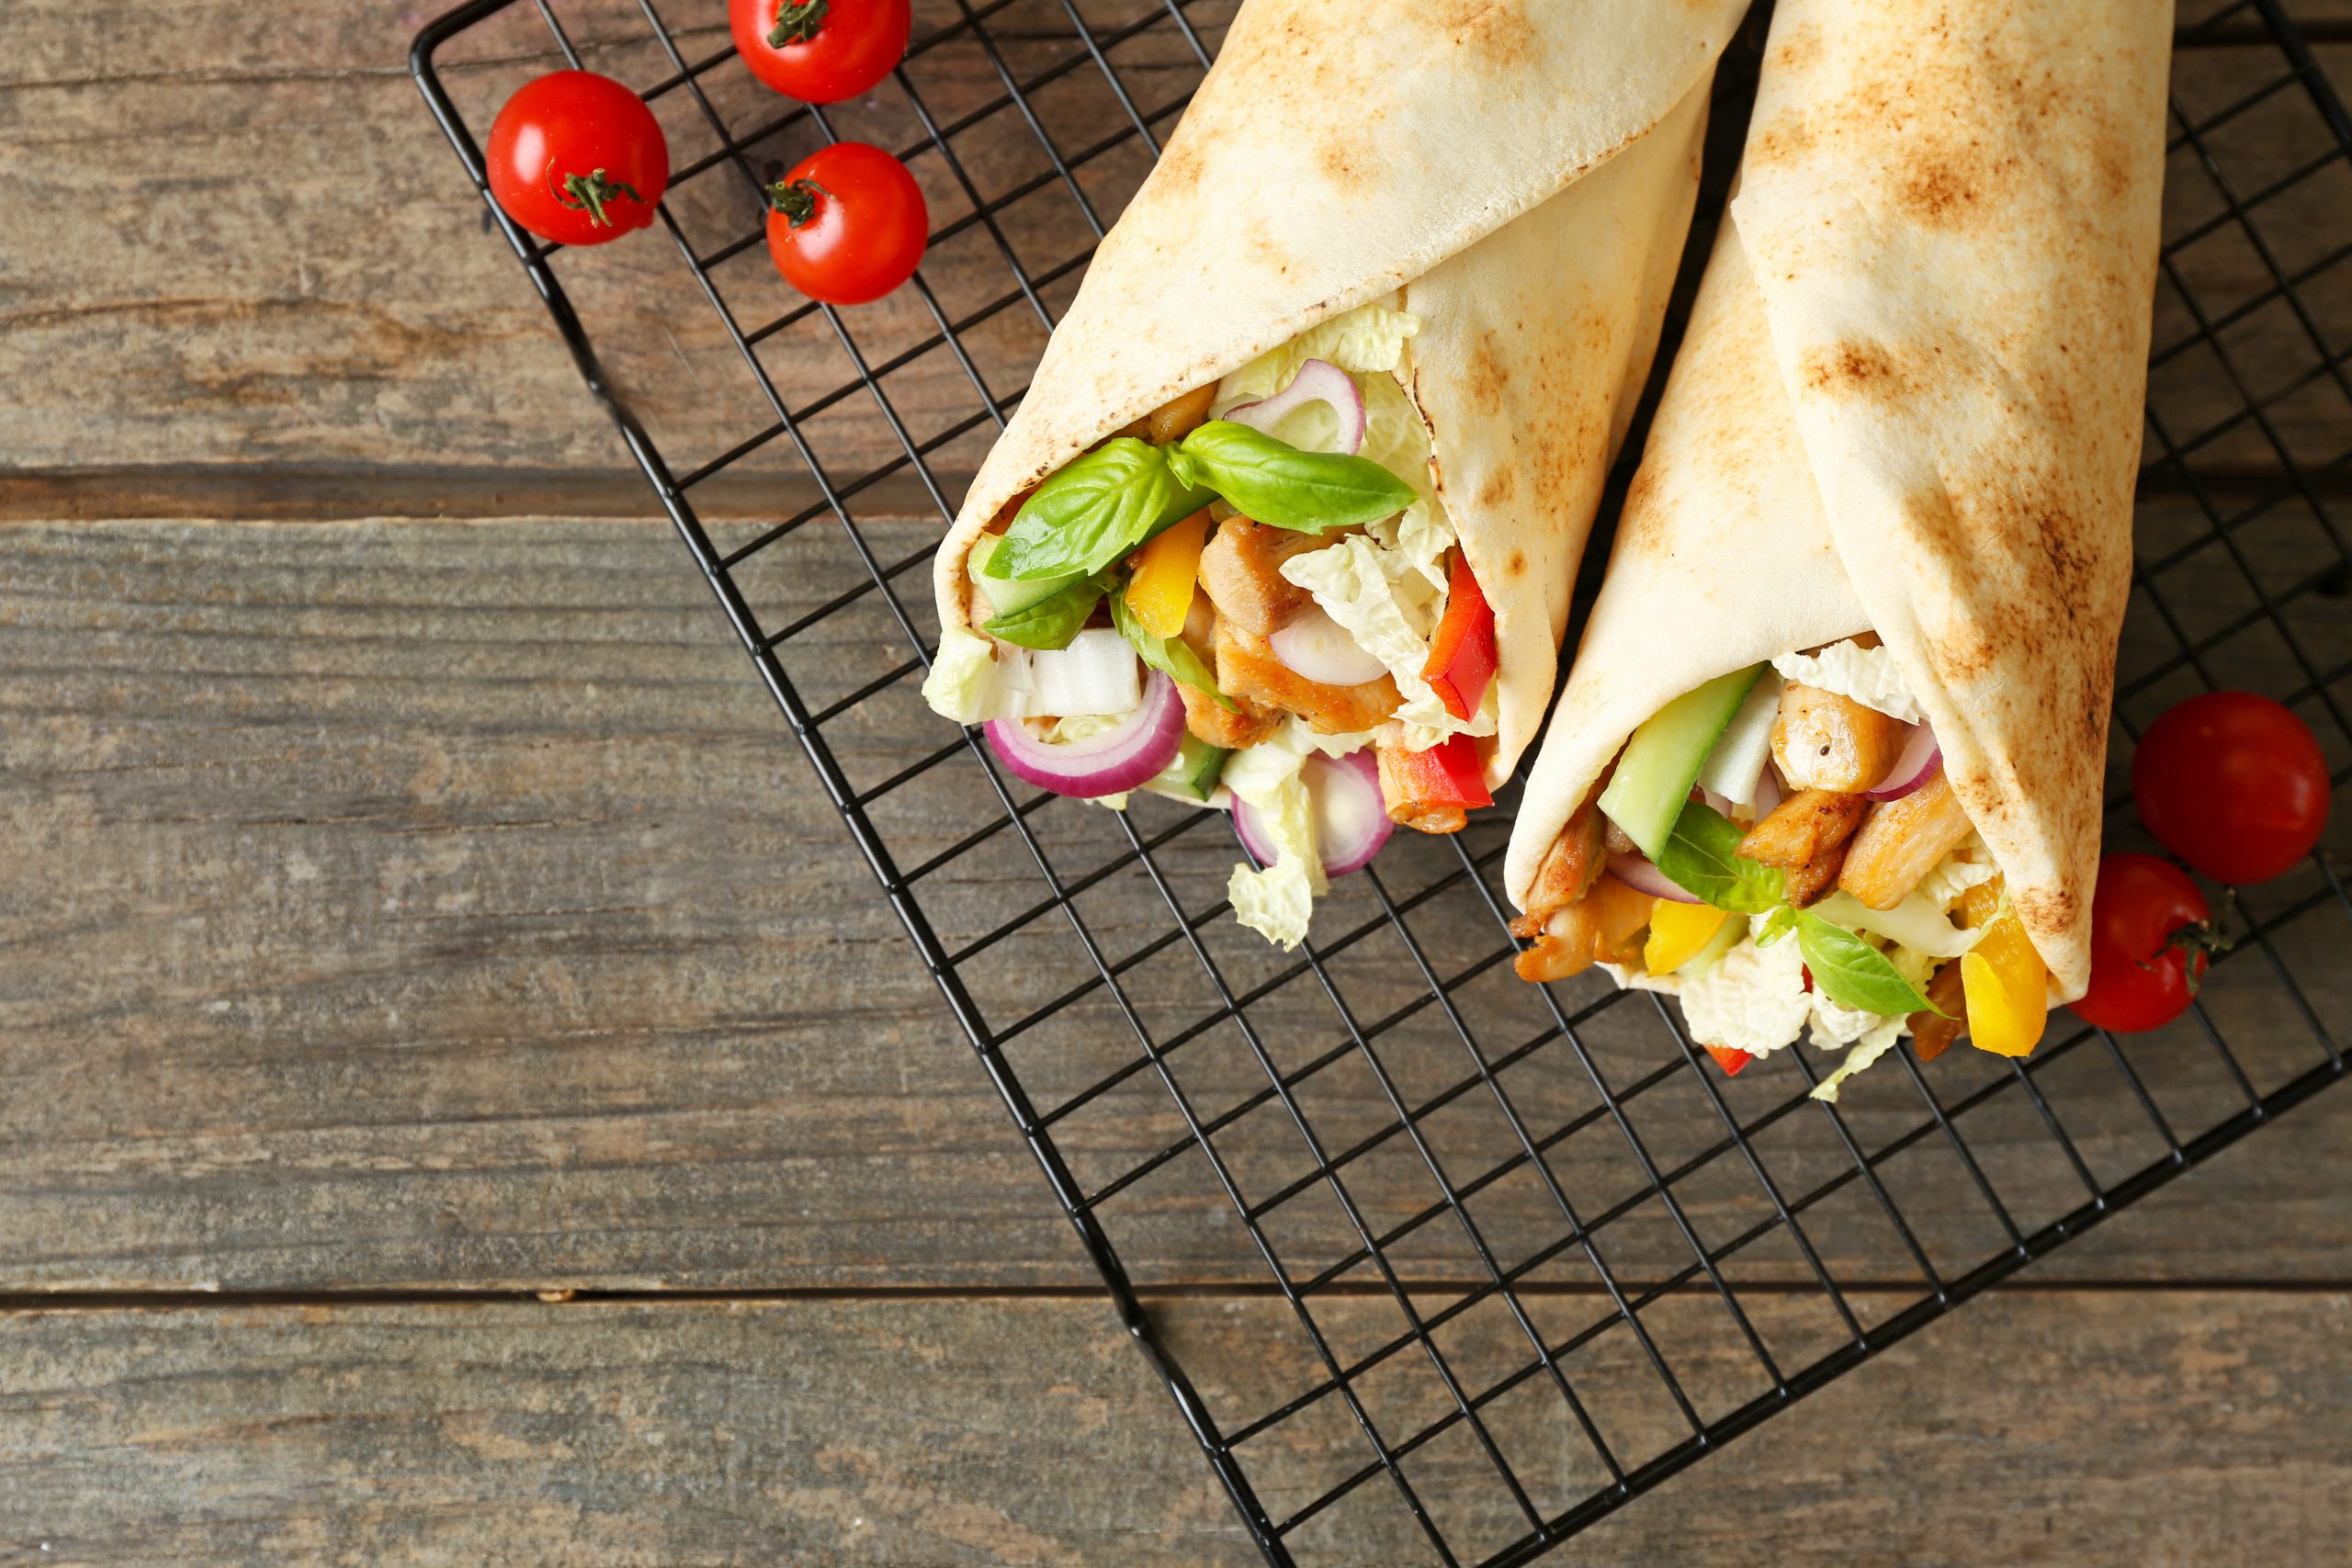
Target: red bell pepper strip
pixel 1446 774
pixel 1461 654
pixel 1730 1059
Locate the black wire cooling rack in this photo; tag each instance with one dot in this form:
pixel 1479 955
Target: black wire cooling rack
pixel 1525 1254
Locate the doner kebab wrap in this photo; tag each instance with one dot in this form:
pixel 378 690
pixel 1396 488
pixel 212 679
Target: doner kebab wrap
pixel 1289 517
pixel 1829 759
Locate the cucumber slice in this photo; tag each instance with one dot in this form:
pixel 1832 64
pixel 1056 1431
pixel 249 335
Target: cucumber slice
pixel 1662 761
pixel 1008 594
pixel 1194 773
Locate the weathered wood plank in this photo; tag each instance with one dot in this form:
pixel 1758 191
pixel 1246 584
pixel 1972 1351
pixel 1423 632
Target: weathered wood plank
pixel 431 904
pixel 2034 1428
pixel 339 302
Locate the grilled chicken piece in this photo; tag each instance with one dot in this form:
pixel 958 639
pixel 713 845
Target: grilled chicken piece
pixel 1573 864
pixel 1241 573
pixel 1805 836
pixel 1405 808
pixel 1623 915
pixel 1805 885
pixel 1563 944
pixel 1179 416
pixel 1932 1036
pixel 1901 842
pixel 1803 827
pixel 1247 670
pixel 1825 742
pixel 1243 724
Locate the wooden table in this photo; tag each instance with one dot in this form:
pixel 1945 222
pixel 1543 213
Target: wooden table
pixel 464 1100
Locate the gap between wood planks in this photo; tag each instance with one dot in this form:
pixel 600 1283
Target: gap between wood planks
pixel 305 493
pixel 27 1302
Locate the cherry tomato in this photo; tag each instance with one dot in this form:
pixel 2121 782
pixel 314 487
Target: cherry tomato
pixel 2233 784
pixel 820 52
pixel 2151 937
pixel 577 158
pixel 848 224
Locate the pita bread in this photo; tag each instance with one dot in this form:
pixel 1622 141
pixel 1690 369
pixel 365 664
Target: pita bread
pixel 1524 171
pixel 1910 403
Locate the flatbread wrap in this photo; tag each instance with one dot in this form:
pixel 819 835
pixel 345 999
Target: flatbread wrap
pixel 1829 759
pixel 1289 517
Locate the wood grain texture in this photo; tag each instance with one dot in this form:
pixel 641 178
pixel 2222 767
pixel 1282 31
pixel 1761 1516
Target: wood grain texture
pixel 2189 1428
pixel 270 331
pixel 416 904
pixel 274 331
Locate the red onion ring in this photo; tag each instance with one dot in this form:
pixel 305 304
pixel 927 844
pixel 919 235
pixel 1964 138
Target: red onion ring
pixel 1767 791
pixel 1634 869
pixel 1921 757
pixel 1314 645
pixel 1318 381
pixel 1350 816
pixel 1116 761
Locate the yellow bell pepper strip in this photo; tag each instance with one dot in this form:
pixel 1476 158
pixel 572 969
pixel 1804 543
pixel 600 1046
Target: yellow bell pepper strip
pixel 1167 569
pixel 2004 977
pixel 1677 934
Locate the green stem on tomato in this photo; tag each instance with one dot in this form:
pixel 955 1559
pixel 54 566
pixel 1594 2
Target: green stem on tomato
pixel 796 23
pixel 796 199
pixel 588 193
pixel 2197 942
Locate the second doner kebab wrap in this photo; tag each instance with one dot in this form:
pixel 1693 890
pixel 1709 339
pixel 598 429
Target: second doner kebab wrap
pixel 1289 517
pixel 1828 762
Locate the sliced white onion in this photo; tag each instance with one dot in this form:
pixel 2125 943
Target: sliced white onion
pixel 1746 744
pixel 1316 646
pixel 1350 818
pixel 1318 381
pixel 1095 675
pixel 1916 764
pixel 1634 869
pixel 1109 764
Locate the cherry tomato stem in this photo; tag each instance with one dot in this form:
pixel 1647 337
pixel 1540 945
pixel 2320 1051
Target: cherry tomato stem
pixel 2151 938
pixel 847 224
pixel 577 158
pixel 821 52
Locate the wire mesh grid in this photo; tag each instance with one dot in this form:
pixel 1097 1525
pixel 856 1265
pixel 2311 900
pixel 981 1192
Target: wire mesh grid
pixel 1523 1254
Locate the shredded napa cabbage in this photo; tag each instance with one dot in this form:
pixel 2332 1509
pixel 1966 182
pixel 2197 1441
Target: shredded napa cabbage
pixel 1969 865
pixel 1366 341
pixel 1386 603
pixel 1422 534
pixel 1752 999
pixel 1072 728
pixel 1868 675
pixel 1394 436
pixel 1278 901
pixel 1876 1043
pixel 971 684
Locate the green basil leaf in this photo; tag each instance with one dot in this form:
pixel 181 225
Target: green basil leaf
pixel 1702 856
pixel 1097 509
pixel 1052 621
pixel 1852 973
pixel 1173 657
pixel 1271 482
pixel 1782 922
